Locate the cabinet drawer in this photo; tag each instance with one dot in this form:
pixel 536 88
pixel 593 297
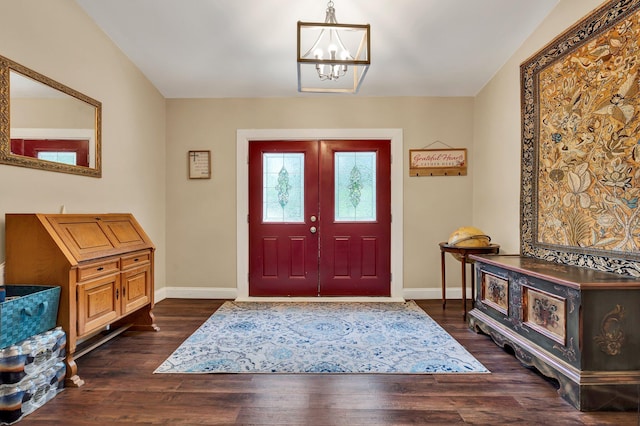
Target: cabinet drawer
pixel 98 269
pixel 135 259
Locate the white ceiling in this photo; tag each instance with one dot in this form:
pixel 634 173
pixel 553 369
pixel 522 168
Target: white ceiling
pixel 247 48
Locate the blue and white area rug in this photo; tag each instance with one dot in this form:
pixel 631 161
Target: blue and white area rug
pixel 292 337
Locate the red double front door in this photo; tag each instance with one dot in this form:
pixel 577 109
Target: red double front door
pixel 320 218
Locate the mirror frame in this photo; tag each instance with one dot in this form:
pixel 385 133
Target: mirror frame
pixel 6 157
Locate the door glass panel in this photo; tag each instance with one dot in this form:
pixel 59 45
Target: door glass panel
pixel 283 187
pixel 58 157
pixel 355 186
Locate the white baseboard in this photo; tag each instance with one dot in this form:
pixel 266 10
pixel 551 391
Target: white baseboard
pixel 433 293
pixel 421 293
pixel 319 299
pixel 2 273
pixel 232 294
pixel 195 293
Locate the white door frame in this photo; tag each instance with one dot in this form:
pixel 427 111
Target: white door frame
pixel 243 138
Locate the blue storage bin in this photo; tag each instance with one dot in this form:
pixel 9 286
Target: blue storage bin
pixel 27 310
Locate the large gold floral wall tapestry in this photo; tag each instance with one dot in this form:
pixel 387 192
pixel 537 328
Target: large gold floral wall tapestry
pixel 580 200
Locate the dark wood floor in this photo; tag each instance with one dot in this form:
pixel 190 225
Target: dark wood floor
pixel 120 387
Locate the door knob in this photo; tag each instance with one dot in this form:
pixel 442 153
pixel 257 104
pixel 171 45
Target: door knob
pixel 313 229
pixel 313 218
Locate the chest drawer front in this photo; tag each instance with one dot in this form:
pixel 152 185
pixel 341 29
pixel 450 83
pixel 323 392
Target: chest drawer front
pixel 135 259
pixel 98 269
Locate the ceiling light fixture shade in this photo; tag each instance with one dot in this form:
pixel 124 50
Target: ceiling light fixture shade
pixel 332 57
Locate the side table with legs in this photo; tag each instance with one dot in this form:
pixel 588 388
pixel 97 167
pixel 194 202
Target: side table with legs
pixel 464 253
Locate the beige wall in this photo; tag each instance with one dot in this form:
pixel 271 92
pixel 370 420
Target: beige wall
pixel 496 134
pixel 193 222
pixel 488 125
pixel 52 113
pixel 57 39
pixel 201 214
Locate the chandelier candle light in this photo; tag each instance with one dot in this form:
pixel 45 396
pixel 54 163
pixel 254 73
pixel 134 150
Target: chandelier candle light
pixel 335 57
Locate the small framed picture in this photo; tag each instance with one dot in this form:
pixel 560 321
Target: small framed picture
pixel 199 164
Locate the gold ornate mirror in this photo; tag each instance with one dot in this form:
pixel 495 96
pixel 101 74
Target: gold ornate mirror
pixel 46 125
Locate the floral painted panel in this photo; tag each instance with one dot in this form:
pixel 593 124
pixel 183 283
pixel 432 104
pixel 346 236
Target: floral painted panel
pixel 580 144
pixel 495 292
pixel 545 313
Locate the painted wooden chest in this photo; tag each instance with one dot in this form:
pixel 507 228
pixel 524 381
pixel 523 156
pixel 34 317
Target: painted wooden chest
pixel 576 325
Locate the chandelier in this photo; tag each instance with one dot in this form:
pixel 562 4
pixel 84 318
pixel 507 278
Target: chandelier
pixel 332 57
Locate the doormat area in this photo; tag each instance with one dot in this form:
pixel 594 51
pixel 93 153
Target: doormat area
pixel 319 337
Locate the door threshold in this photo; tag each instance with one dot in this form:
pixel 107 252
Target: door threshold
pixel 320 299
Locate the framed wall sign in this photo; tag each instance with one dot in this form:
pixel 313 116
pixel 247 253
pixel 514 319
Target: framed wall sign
pixel 438 162
pixel 199 164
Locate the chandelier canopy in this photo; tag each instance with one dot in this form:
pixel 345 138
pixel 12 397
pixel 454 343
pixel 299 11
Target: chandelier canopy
pixel 332 57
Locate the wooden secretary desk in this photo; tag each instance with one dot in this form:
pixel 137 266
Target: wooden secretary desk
pixel 103 264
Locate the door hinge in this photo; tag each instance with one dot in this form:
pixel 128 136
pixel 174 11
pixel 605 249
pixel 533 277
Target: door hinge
pixel 391 276
pixel 247 218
